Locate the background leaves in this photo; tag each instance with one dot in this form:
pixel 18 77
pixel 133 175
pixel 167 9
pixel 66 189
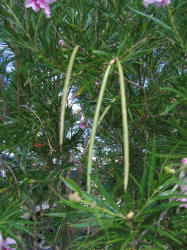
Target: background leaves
pixel 151 46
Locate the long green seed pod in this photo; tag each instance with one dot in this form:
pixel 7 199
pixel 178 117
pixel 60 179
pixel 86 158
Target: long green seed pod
pixel 64 96
pixel 95 123
pixel 125 125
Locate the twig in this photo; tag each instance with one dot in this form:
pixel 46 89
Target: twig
pixel 83 51
pixel 140 87
pixel 12 172
pixel 34 112
pixel 17 70
pixel 140 73
pixel 137 86
pixel 161 217
pixel 4 108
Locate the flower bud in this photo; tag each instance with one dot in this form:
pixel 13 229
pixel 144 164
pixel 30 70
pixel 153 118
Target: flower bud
pixel 74 197
pixel 130 215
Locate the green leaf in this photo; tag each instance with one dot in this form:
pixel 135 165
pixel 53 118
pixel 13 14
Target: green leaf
pixel 126 242
pixel 152 18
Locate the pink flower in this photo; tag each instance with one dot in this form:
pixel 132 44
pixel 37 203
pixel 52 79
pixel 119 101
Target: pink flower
pixel 97 83
pixel 182 176
pixel 184 161
pixel 37 4
pixel 83 124
pixel 183 200
pixel 62 43
pixel 157 2
pixel 74 197
pixel 4 245
pixel 183 187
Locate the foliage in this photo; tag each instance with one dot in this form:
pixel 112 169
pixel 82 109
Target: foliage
pixel 149 44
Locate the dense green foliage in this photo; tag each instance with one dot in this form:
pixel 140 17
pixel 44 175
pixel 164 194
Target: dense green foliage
pixel 150 45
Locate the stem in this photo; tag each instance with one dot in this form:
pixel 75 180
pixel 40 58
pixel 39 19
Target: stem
pixel 65 94
pixel 173 26
pixel 95 124
pixel 18 78
pixel 125 125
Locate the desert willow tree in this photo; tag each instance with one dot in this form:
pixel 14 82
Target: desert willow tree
pixel 147 49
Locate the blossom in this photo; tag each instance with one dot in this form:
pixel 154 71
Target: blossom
pixel 184 161
pixel 62 43
pixel 37 4
pixel 130 215
pixel 37 145
pixel 76 109
pixel 97 83
pixel 83 124
pixel 183 200
pixel 5 245
pixel 157 2
pixel 182 176
pixel 74 197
